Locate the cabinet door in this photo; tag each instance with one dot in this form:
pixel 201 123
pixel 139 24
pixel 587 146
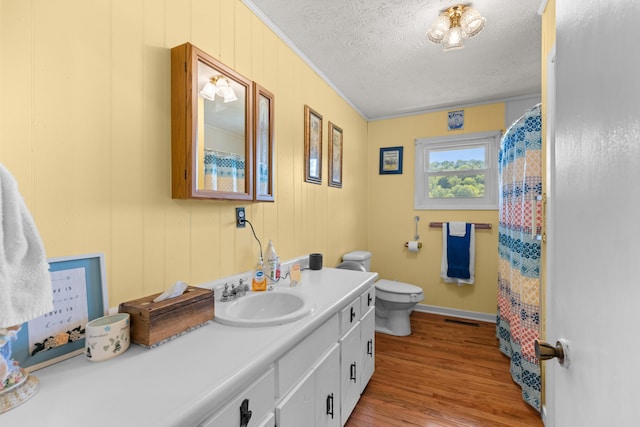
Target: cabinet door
pixel 368 347
pixel 297 407
pixel 350 366
pixel 269 421
pixel 297 362
pixel 328 390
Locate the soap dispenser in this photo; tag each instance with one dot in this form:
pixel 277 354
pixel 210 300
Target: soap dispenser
pixel 259 282
pixel 273 262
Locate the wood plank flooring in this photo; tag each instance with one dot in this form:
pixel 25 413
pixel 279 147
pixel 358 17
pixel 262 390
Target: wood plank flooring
pixel 446 374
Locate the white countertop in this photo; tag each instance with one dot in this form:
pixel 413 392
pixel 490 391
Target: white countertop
pixel 181 382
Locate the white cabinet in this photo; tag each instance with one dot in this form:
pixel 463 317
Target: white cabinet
pixel 315 400
pixel 328 390
pixel 350 365
pixel 303 357
pixel 319 381
pixel 298 407
pixel 257 398
pixel 357 350
pixel 367 347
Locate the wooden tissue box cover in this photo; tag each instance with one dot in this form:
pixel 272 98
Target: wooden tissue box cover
pixel 153 322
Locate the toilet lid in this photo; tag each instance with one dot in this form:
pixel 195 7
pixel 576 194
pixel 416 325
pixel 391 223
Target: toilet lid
pixel 397 287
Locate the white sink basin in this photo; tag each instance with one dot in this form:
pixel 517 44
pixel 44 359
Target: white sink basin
pixel 263 309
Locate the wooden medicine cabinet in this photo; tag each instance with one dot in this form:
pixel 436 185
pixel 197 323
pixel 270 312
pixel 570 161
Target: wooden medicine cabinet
pixel 212 128
pixel 264 143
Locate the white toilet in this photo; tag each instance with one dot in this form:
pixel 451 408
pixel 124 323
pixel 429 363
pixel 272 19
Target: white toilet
pixel 394 300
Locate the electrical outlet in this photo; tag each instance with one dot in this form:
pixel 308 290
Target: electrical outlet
pixel 240 223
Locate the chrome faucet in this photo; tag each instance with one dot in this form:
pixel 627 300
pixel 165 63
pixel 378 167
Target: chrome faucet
pixel 226 295
pixel 236 291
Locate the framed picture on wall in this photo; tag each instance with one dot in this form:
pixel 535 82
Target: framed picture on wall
pixel 335 156
pixel 455 120
pixel 312 146
pixel 391 160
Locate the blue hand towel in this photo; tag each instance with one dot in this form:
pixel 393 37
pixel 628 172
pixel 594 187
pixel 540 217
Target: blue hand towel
pixel 458 254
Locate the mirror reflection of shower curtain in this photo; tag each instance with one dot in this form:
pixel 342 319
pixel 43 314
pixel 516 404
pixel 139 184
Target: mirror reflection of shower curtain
pixel 262 154
pixel 224 171
pixel 518 318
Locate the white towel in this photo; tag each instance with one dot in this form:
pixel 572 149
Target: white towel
pixel 458 229
pixel 444 265
pixel 25 282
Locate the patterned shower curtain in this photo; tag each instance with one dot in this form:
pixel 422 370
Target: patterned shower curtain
pixel 518 318
pixel 223 171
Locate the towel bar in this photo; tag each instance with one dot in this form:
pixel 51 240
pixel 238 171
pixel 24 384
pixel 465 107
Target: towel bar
pixel 479 225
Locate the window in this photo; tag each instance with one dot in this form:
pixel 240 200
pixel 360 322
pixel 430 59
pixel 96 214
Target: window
pixel 457 172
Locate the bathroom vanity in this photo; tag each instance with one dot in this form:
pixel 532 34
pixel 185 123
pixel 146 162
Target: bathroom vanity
pixel 309 372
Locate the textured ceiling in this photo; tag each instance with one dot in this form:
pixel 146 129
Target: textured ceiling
pixel 376 54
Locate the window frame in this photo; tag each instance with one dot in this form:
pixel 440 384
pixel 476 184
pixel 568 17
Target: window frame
pixel 423 146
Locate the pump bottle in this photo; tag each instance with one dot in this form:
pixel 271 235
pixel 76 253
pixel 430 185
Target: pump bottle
pixel 273 262
pixel 259 282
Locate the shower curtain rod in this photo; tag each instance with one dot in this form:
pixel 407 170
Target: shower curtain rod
pixel 479 225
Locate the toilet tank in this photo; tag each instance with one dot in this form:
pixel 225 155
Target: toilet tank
pixel 361 257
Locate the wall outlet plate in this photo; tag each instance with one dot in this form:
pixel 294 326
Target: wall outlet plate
pixel 240 223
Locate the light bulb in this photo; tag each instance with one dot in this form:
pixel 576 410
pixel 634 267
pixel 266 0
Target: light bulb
pixel 453 39
pixel 208 92
pixel 439 29
pixel 471 22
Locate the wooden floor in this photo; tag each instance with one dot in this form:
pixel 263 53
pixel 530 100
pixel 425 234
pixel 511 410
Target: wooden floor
pixel 445 374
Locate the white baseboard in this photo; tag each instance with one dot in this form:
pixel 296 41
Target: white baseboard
pixel 463 314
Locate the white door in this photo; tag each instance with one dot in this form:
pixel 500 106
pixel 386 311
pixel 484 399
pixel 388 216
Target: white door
pixel 595 278
pixel 328 390
pixel 350 367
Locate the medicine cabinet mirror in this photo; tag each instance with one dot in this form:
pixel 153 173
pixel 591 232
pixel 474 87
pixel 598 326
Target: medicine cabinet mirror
pixel 263 116
pixel 211 128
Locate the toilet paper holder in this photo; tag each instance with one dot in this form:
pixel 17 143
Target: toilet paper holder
pixel 406 245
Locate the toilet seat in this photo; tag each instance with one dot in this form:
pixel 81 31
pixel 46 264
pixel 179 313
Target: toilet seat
pixel 398 291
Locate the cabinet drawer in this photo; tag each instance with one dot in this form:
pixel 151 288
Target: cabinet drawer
pixel 368 300
pixel 349 316
pixel 293 365
pixel 261 401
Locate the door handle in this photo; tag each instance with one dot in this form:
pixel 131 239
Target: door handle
pixel 353 314
pixel 546 351
pixel 245 413
pixel 330 405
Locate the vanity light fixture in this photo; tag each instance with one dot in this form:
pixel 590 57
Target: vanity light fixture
pixel 454 24
pixel 218 85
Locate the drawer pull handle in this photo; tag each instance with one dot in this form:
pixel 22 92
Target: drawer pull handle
pixel 353 373
pixel 353 314
pixel 370 348
pixel 330 405
pixel 369 300
pixel 245 413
